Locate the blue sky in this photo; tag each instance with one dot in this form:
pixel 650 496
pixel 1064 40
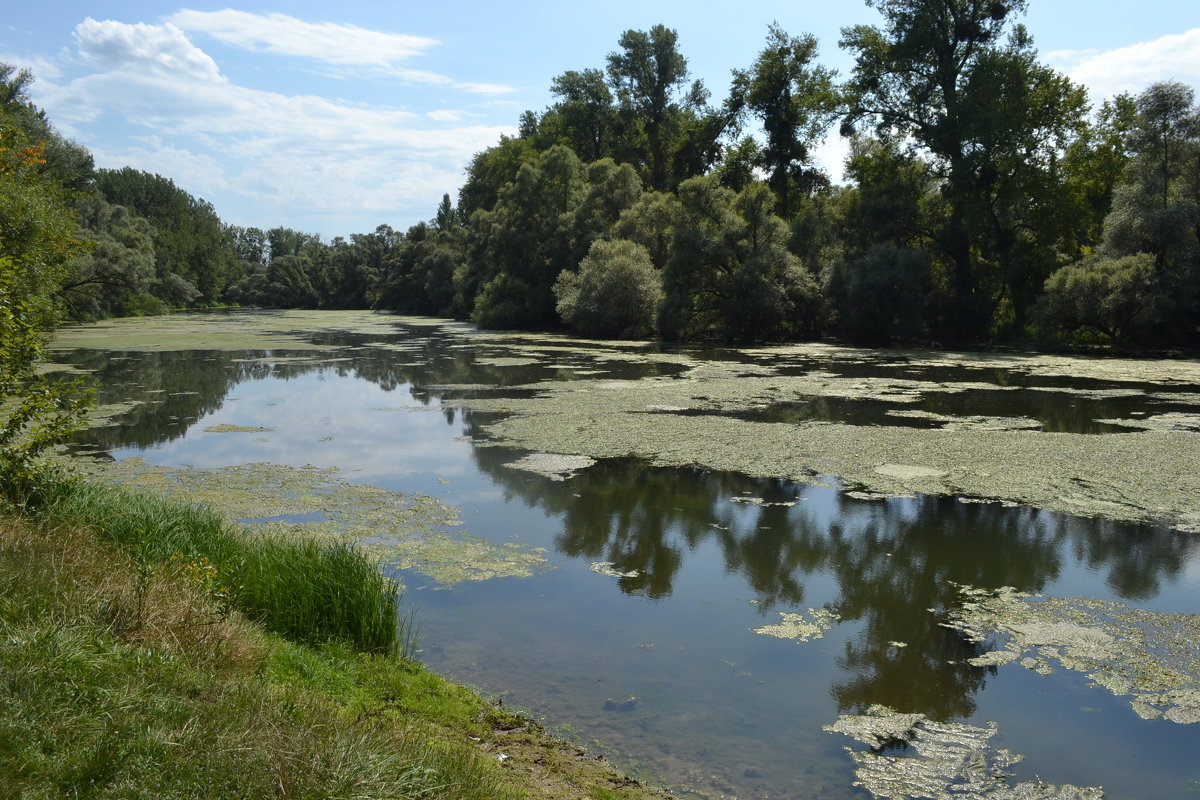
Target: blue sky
pixel 335 118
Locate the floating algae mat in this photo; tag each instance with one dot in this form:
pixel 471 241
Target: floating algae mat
pixel 701 558
pixel 1153 658
pixel 800 626
pixel 913 756
pixel 404 530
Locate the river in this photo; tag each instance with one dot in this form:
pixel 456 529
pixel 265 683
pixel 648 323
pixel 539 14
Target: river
pixel 701 622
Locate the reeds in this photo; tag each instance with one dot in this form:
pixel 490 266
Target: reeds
pixel 307 590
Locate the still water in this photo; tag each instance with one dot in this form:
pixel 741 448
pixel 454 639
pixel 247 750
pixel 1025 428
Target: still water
pixel 661 670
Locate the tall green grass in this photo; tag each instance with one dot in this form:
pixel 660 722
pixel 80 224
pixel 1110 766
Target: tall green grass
pixel 307 590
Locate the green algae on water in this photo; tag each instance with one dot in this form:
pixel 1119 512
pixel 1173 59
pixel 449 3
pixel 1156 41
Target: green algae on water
pixel 236 429
pixel 609 569
pixel 801 626
pixel 1151 657
pixel 948 760
pixel 554 467
pixel 403 530
pixel 261 330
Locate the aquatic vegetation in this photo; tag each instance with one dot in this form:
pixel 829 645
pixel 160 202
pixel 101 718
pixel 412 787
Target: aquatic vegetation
pixel 1135 477
pixel 1150 657
pixel 275 330
pixel 801 626
pixel 758 501
pixel 609 569
pixel 554 467
pixel 236 429
pixel 1174 421
pixel 501 361
pixel 972 422
pixel 948 761
pixel 402 530
pixel 100 416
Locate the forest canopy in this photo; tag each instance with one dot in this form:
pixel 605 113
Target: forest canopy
pixel 986 198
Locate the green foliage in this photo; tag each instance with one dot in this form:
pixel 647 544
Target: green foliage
pixel 994 123
pixel 121 682
pixel 117 266
pixel 490 171
pixel 651 222
pixel 615 294
pixel 36 241
pixel 62 162
pixel 37 229
pixel 526 241
pixel 1156 205
pixel 34 413
pixel 584 118
pixel 1109 295
pixel 879 297
pixel 1096 159
pixel 730 276
pixel 194 254
pixel 796 102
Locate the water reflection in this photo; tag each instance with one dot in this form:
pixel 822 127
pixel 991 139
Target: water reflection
pixel 894 560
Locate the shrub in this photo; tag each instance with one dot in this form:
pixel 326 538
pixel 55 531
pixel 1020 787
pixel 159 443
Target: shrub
pixel 1109 295
pixel 615 294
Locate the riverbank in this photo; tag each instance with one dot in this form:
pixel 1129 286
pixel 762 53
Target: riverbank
pixel 126 673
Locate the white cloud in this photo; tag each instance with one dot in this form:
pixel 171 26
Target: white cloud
pixel 296 160
pixel 335 44
pixel 284 35
pixel 149 49
pixel 1133 68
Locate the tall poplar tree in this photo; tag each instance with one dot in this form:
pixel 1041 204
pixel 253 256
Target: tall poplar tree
pixel 796 101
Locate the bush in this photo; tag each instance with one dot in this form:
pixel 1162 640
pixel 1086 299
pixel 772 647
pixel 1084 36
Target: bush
pixel 615 294
pixel 1112 296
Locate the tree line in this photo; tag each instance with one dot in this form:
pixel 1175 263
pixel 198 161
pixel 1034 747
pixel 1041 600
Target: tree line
pixel 985 200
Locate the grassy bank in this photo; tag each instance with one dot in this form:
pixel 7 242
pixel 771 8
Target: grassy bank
pixel 146 649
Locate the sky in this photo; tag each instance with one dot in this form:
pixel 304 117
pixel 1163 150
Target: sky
pixel 336 118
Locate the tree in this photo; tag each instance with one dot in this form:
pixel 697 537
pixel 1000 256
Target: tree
pixel 649 73
pixel 651 222
pixel 192 248
pixel 490 171
pixel 796 102
pixel 584 118
pixel 730 276
pixel 37 239
pixel 1108 295
pixel 911 80
pixel 1095 161
pixel 876 282
pixel 116 271
pixel 66 163
pixel 611 189
pixel 615 293
pixel 525 242
pixel 1156 206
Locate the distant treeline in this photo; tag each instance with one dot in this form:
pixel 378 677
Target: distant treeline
pixel 985 200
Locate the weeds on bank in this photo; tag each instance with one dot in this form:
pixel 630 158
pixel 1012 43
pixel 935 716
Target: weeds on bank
pixel 118 682
pixel 307 590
